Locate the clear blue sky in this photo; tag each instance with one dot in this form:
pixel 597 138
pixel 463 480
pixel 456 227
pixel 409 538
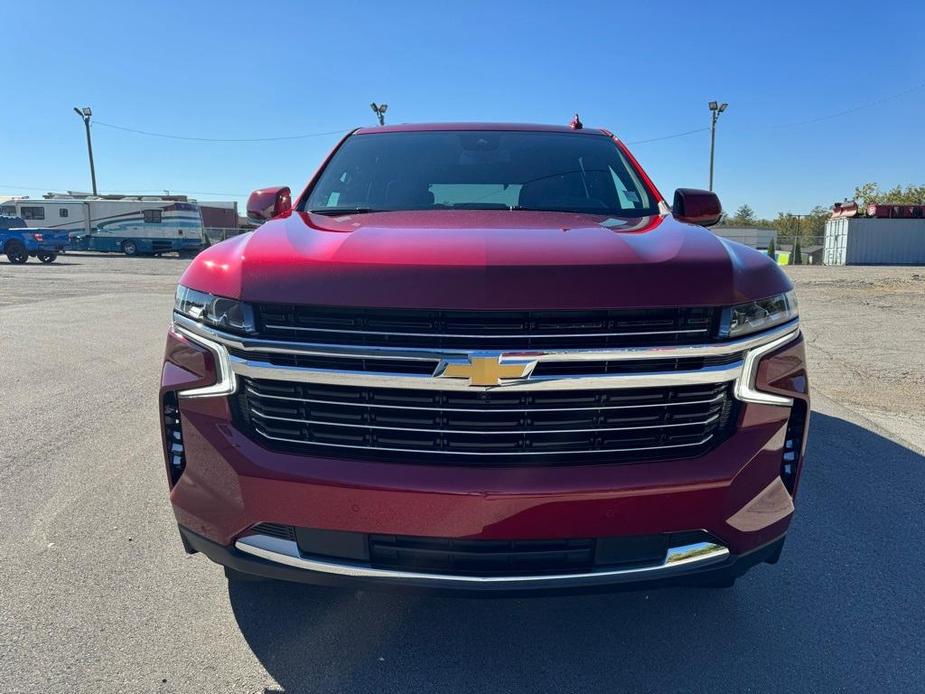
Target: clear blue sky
pixel 644 70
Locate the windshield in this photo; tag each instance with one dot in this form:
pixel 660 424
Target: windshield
pixel 483 170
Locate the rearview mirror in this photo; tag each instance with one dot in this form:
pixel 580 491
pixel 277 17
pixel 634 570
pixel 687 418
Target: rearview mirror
pixel 266 203
pixel 696 207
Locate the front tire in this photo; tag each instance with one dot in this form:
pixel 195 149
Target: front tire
pixel 130 248
pixel 46 257
pixel 16 253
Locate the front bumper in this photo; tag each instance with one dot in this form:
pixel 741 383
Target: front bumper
pixel 712 569
pixel 734 493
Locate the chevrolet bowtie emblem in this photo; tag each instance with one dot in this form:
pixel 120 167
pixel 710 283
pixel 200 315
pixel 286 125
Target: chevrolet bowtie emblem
pixel 485 370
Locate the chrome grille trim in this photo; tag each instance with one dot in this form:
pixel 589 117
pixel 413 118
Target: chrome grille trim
pixel 252 344
pixel 743 372
pixel 480 453
pixel 482 432
pixel 226 383
pixel 268 371
pixel 493 409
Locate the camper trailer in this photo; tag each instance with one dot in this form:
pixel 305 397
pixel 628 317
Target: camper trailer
pixel 130 224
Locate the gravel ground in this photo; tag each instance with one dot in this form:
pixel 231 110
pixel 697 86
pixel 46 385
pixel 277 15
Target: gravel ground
pixel 97 595
pixel 865 329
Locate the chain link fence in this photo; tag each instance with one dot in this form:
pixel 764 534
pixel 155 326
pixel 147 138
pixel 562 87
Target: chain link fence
pixel 811 247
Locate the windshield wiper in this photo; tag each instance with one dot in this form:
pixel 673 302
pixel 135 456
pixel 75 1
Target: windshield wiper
pixel 575 210
pixel 334 211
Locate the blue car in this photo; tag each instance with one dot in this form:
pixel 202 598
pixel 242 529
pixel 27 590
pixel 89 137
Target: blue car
pixel 19 243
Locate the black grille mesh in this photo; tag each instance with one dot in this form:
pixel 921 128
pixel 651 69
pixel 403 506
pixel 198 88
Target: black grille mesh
pixel 508 330
pixel 486 427
pixel 283 532
pixel 480 557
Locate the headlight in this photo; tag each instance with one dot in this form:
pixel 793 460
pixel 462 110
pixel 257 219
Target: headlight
pixel 745 319
pixel 215 310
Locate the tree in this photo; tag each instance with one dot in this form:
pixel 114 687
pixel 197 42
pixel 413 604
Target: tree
pixel 796 257
pixel 744 216
pixel 813 224
pixel 788 226
pixel 870 194
pixel 866 194
pixel 772 251
pixel 910 195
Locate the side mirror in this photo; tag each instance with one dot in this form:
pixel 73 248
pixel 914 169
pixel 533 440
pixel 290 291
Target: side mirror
pixel 266 203
pixel 696 207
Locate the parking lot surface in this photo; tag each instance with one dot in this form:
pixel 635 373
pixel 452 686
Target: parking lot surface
pixel 96 594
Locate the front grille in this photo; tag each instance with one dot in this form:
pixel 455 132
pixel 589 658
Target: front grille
pixel 494 427
pixel 508 330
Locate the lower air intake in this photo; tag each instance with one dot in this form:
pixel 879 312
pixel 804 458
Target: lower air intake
pixel 283 532
pixel 480 557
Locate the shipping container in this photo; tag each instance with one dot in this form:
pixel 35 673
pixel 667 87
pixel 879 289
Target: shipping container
pixel 874 241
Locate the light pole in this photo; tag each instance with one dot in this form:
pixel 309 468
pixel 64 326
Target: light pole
pixel 379 110
pixel 85 113
pixel 715 110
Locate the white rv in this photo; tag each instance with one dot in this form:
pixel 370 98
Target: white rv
pixel 130 224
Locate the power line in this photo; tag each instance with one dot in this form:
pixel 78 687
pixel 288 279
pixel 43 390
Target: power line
pixel 321 134
pixel 218 139
pixel 837 114
pixel 810 121
pixel 668 137
pixel 869 104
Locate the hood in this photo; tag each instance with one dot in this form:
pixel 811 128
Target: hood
pixel 484 259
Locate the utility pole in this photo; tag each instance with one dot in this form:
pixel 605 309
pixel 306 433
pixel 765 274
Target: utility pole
pixel 85 113
pixel 715 110
pixel 379 110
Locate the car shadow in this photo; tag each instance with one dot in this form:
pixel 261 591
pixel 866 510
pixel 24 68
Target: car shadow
pixel 842 610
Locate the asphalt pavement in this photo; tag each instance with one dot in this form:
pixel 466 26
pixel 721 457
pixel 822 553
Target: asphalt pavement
pixel 96 594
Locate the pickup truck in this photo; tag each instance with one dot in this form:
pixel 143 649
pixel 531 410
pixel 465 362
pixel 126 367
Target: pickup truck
pixel 18 242
pixel 484 358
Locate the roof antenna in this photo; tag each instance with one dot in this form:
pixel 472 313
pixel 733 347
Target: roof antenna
pixel 576 123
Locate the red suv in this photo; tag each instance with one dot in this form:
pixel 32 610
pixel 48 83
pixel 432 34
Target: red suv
pixel 484 357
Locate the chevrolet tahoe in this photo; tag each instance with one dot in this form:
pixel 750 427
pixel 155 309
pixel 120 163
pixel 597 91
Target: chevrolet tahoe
pixel 484 358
